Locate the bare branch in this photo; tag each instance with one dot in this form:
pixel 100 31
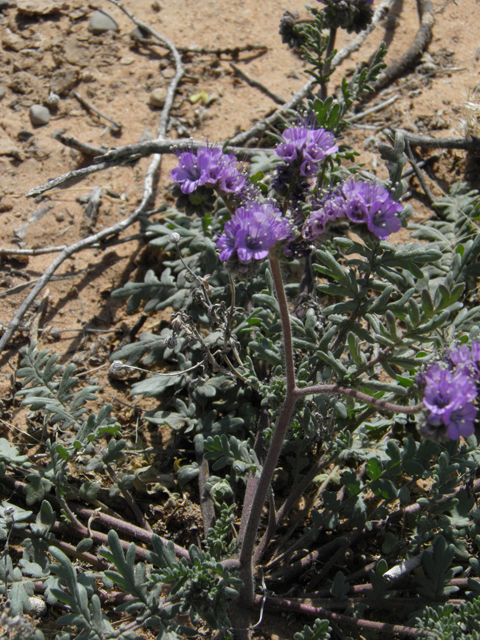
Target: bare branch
pixel 257 84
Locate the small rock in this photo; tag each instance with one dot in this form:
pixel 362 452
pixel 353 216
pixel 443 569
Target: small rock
pixel 39 115
pixel 12 41
pixel 126 60
pixel 2 92
pixel 63 80
pixel 6 204
pixel 101 22
pixel 37 7
pixel 77 53
pixel 8 147
pixel 53 99
pixel 59 216
pixel 88 76
pixel 38 607
pixel 4 4
pixel 23 135
pixel 139 34
pixel 158 97
pixel 168 73
pixel 156 5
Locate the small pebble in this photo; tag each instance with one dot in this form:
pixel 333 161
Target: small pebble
pixel 156 6
pixel 39 116
pixel 53 99
pixel 100 22
pixel 2 92
pixel 38 607
pixel 158 97
pixel 139 34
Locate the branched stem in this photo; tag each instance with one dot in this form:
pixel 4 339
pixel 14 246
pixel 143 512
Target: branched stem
pixel 358 395
pixel 309 609
pixel 292 394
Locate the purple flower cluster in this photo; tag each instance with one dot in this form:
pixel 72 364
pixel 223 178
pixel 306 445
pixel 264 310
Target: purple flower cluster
pixel 304 148
pixel 251 232
pixel 360 202
pixel 209 167
pixel 328 209
pixel 450 392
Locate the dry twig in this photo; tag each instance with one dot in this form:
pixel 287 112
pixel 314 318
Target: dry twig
pixel 116 126
pixel 420 43
pixel 73 143
pixel 428 142
pixel 257 84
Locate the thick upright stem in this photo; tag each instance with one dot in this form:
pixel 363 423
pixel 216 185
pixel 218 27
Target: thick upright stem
pixel 285 320
pixel 283 422
pixel 326 71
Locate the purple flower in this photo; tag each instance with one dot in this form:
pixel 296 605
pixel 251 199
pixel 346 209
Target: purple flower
pixel 466 359
pixel 328 209
pixel 303 148
pixel 360 202
pixel 449 397
pixel 444 388
pixel 192 172
pixel 229 178
pixel 252 231
pixel 356 207
pixel 371 203
pixel 460 420
pixel 210 167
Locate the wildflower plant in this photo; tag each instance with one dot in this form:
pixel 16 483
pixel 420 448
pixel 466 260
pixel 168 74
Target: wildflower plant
pixel 320 371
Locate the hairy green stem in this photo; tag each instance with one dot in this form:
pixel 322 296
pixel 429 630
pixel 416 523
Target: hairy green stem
pixel 283 422
pixel 358 395
pixel 326 71
pixel 250 526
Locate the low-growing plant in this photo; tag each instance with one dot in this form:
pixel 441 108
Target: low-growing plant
pixel 322 377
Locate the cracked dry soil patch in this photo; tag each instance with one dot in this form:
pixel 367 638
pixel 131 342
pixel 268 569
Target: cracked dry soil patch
pixel 47 47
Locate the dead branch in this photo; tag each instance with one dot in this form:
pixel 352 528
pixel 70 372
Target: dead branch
pixel 258 85
pixel 419 174
pixel 420 43
pixel 232 51
pixel 116 126
pixel 374 109
pixel 428 142
pixel 73 143
pixel 131 153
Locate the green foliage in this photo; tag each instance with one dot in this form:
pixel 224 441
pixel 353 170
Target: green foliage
pixel 201 587
pixel 455 233
pixel 330 113
pixel 319 631
pixel 44 389
pixel 449 623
